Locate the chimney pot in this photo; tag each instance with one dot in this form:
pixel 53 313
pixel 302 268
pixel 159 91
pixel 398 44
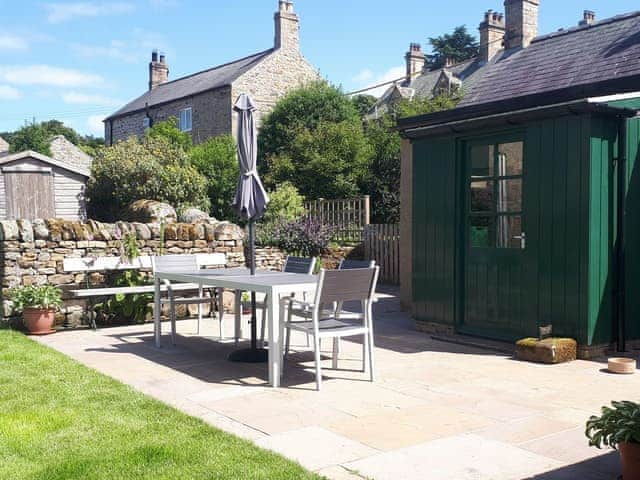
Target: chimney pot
pixel 589 18
pixel 154 56
pixel 158 70
pixel 287 27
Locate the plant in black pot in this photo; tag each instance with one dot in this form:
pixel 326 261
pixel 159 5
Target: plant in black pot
pixel 38 304
pixel 619 427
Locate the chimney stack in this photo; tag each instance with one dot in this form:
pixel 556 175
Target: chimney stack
pixel 521 22
pixel 588 19
pixel 287 27
pixel 415 61
pixel 158 70
pixel 492 31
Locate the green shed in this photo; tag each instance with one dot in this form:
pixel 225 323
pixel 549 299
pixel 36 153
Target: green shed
pixel 525 199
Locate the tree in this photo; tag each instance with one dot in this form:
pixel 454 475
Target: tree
pixel 37 137
pixel 216 160
pixel 285 203
pixel 457 46
pixel 314 139
pixel 363 103
pixel 168 129
pixel 152 169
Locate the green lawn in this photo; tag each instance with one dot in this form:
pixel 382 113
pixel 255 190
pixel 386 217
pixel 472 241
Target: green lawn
pixel 61 420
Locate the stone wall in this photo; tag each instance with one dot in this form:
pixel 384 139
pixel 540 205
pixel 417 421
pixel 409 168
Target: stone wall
pixel 273 258
pixel 33 252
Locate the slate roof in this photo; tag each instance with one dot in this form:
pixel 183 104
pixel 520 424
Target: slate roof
pixel 203 81
pixel 66 152
pixel 602 52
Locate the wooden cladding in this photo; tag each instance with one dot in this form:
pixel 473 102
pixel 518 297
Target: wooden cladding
pixel 29 194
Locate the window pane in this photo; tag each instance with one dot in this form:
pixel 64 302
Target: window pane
pixel 482 232
pixel 510 159
pixel 509 195
pixel 510 232
pixel 482 160
pixel 482 196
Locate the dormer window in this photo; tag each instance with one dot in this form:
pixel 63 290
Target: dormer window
pixel 185 119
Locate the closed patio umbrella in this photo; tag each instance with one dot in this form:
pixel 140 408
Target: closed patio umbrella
pixel 250 202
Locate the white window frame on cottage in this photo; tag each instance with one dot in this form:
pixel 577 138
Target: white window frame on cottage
pixel 185 121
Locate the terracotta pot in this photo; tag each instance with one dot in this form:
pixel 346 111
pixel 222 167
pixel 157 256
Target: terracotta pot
pixel 630 460
pixel 39 321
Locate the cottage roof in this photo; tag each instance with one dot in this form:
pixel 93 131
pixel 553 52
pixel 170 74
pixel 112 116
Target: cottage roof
pixel 210 79
pixel 44 158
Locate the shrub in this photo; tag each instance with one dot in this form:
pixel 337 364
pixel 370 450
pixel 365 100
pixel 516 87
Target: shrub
pixel 36 296
pixel 304 236
pixel 126 308
pixel 616 425
pixel 152 169
pixel 169 130
pixel 286 203
pixel 216 160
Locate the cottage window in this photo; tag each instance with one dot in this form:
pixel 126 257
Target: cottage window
pixel 185 119
pixel 495 195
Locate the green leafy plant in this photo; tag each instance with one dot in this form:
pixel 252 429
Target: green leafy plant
pixel 620 424
pixel 130 248
pixel 286 203
pixel 43 297
pixel 129 308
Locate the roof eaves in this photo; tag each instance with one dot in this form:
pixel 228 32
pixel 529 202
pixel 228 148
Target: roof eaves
pixel 43 158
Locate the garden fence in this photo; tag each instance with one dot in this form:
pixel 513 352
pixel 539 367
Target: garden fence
pixel 382 244
pixel 347 217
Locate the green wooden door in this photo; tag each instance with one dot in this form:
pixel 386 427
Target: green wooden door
pixel 494 238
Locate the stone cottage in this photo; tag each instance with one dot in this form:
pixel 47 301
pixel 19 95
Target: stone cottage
pixel 203 102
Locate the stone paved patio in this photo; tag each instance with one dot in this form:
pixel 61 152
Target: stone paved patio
pixel 438 411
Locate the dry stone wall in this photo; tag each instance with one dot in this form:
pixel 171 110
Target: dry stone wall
pixel 32 252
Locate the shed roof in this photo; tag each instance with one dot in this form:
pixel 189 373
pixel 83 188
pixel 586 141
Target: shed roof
pixel 211 79
pixel 44 158
pixel 66 152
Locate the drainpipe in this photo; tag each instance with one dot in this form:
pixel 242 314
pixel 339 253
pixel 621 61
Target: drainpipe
pixel 620 323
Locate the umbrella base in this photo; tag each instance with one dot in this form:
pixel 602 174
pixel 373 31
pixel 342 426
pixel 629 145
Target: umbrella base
pixel 250 355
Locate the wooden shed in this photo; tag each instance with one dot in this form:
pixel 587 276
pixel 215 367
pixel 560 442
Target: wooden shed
pixel 524 210
pixel 33 185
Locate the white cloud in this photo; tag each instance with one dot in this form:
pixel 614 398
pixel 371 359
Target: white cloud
pixel 116 50
pixel 9 93
pixel 79 98
pixel 367 78
pixel 62 12
pixel 48 75
pixel 136 48
pixel 95 125
pixel 12 42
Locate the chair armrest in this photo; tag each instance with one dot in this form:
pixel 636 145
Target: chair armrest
pixel 167 284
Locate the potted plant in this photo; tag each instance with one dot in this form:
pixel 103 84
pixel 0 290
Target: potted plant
pixel 246 303
pixel 38 304
pixel 619 428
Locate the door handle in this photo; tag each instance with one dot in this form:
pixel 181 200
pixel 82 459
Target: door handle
pixel 523 240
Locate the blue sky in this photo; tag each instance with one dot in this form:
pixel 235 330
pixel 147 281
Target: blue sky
pixel 79 61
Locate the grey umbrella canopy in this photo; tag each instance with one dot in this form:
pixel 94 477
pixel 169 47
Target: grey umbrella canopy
pixel 250 202
pixel 251 198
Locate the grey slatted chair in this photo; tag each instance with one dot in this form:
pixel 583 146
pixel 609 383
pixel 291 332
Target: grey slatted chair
pixel 183 263
pixel 336 287
pixel 292 265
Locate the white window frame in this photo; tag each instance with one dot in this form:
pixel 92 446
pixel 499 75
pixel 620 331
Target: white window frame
pixel 186 114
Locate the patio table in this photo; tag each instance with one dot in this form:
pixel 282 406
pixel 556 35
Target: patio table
pixel 272 284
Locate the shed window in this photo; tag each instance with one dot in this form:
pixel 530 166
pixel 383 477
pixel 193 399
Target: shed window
pixel 495 195
pixel 185 119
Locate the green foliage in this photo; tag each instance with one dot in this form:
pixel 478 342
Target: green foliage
pixel 423 105
pixel 126 308
pixel 286 203
pixel 616 425
pixel 457 46
pixel 363 103
pixel 130 248
pixel 169 130
pixel 152 169
pixel 216 160
pixel 329 161
pixel 37 137
pixel 36 296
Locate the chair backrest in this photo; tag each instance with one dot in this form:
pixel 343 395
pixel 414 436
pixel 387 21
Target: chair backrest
pixel 348 264
pixel 356 284
pixel 211 260
pixel 299 265
pixel 175 263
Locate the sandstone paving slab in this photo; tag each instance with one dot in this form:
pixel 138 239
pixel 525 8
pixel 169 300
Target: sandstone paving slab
pixel 231 426
pixel 461 457
pixel 408 426
pixel 339 473
pixel 316 448
pixel 524 429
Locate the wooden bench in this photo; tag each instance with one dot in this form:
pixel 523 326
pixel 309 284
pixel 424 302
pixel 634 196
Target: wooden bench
pixel 109 264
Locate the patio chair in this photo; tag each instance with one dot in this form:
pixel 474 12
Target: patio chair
pixel 185 263
pixel 334 288
pixel 292 265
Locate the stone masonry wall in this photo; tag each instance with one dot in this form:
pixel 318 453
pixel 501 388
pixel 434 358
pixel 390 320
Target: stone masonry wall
pixel 33 252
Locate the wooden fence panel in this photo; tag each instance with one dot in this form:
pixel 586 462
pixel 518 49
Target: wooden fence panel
pixel 347 217
pixel 382 244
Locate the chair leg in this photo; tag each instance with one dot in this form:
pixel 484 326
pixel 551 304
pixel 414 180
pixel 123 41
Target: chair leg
pixel 336 353
pixel 287 342
pixel 371 343
pixel 200 293
pixel 316 346
pixel 264 322
pixel 172 315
